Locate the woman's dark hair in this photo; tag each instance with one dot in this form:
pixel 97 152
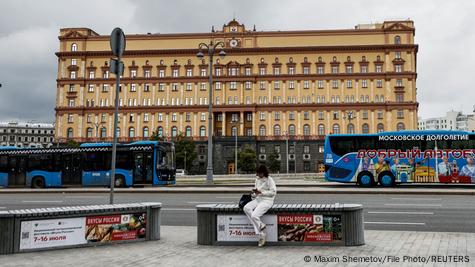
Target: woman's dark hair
pixel 262 169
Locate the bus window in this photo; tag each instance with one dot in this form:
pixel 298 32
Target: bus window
pixel 123 160
pixel 3 163
pixel 97 161
pixel 40 162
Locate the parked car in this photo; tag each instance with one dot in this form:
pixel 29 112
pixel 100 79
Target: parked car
pixel 180 172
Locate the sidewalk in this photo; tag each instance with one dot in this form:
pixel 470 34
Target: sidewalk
pixel 178 248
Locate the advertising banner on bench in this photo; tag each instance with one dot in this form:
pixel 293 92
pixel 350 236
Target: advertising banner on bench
pixel 239 228
pixel 76 231
pixel 309 228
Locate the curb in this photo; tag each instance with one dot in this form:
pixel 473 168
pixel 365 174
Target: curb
pixel 227 190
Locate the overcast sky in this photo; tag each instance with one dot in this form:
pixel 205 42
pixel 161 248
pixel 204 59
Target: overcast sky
pixel 29 31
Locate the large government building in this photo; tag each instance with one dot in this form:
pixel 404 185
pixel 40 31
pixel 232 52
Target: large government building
pixel 270 88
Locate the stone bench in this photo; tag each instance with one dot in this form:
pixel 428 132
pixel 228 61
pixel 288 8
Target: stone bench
pixel 77 226
pixel 287 224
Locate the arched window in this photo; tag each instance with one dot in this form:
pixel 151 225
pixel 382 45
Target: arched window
pixel 336 128
pixel 145 132
pixel 69 133
pixel 103 132
pixel 321 129
pixel 376 98
pixel 160 131
pixel 131 132
pixel 397 39
pixel 89 132
pixel 74 47
pixel 188 131
pixel 202 131
pixel 306 129
pixel 233 131
pixel 380 127
pixel 174 131
pixel 351 128
pixel 291 129
pixel 262 130
pixel 277 130
pixel 365 128
pixel 118 132
pixel 400 127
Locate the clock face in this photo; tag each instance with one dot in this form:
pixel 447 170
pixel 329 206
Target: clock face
pixel 233 29
pixel 233 43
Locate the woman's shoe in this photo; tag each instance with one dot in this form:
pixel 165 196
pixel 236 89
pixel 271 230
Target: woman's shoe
pixel 262 240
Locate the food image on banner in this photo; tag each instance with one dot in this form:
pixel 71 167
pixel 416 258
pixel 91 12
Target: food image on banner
pixel 309 228
pixel 52 233
pixel 239 228
pixel 115 227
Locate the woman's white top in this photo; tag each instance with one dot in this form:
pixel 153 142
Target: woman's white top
pixel 267 187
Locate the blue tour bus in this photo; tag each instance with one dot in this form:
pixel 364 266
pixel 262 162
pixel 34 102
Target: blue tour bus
pixel 144 162
pixel 388 158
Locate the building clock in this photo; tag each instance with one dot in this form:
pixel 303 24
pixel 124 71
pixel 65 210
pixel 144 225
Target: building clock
pixel 233 43
pixel 233 28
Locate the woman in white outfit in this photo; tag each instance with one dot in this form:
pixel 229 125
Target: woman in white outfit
pixel 263 195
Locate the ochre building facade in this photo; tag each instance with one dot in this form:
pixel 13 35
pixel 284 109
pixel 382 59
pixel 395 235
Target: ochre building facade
pixel 270 86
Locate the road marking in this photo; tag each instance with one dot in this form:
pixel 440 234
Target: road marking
pixel 413 198
pixel 401 212
pixel 172 209
pixel 398 223
pixel 42 201
pixel 3 208
pixel 416 205
pixel 209 202
pixel 80 197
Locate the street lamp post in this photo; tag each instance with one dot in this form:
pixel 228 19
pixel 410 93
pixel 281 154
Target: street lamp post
pixel 287 150
pixel 211 47
pixel 185 161
pixel 236 124
pixel 295 158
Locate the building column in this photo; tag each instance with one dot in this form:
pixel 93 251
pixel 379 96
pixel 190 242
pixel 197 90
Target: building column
pixel 254 118
pixel 223 124
pixel 241 124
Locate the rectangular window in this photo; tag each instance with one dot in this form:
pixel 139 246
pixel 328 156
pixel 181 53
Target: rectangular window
pixel 379 83
pixel 105 74
pixel 349 84
pixel 145 117
pixel 160 117
pixel 161 73
pixel 203 116
pixel 262 85
pixel 90 88
pixel 249 117
pixel 320 70
pixel 320 84
pixel 189 86
pixel 379 68
pixel 105 88
pixel 91 74
pixel 175 87
pixel 291 116
pixel 189 72
pixel 188 117
pixel 248 100
pixel 306 70
pixel 232 86
pixel 306 115
pixel 174 117
pixel 203 86
pixel 175 73
pixel 262 149
pixel 276 85
pixel 146 87
pixel 364 83
pixel 262 71
pixel 291 70
pixel 306 84
pixel 334 84
pixel 336 115
pixel 321 115
pixel 203 72
pixel 262 116
pixel 70 118
pixel 277 115
pixel 291 149
pixel 161 87
pixel 248 85
pixel 71 88
pixel 71 103
pixel 291 84
pixel 365 115
pixel 277 149
pixel 72 75
pixel 380 114
pixel 218 71
pixel 398 68
pixel 133 73
pixel 399 82
pixel 248 71
pixel 399 98
pixel 364 69
pixel 217 86
pixel 349 69
pixel 276 71
pixel 306 149
pixel 334 69
pixel 147 73
pixel 400 114
pixel 73 62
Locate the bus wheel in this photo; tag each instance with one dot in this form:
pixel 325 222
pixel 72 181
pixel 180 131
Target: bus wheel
pixel 365 178
pixel 37 182
pixel 119 181
pixel 386 179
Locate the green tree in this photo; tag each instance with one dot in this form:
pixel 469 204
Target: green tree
pixel 247 159
pixel 72 143
pixel 156 137
pixel 184 147
pixel 273 162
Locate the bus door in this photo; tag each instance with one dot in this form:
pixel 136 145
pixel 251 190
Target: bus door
pixel 17 170
pixel 143 167
pixel 72 169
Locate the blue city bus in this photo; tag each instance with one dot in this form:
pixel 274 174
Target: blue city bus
pixel 138 163
pixel 388 158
